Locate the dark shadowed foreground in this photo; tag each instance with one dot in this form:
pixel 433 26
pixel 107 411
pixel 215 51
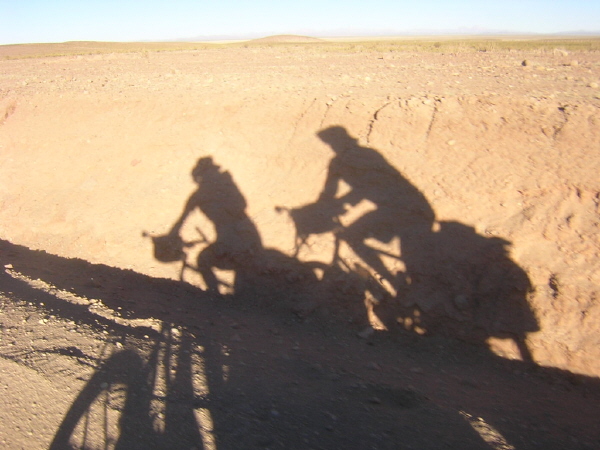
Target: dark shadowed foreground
pixel 157 363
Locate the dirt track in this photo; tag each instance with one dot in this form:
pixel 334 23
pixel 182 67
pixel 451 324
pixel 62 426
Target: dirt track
pixel 485 193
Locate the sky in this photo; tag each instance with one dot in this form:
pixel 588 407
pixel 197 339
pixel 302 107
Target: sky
pixel 35 21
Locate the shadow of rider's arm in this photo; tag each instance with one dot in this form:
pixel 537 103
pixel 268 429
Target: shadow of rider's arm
pixel 190 205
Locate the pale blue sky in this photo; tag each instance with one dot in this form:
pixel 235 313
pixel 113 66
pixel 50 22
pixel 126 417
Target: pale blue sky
pixel 27 21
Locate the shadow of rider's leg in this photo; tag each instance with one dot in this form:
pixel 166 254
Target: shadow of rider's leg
pixel 206 261
pixel 358 232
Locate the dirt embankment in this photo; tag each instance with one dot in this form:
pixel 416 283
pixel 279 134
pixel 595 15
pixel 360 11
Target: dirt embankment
pixel 498 160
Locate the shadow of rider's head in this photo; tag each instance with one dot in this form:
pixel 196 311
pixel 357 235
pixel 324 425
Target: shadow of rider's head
pixel 337 138
pixel 203 167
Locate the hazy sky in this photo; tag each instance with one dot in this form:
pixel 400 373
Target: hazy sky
pixel 26 21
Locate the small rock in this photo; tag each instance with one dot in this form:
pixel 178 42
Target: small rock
pixel 373 366
pixel 461 302
pixel 451 142
pixel 367 332
pixel 525 63
pixel 593 85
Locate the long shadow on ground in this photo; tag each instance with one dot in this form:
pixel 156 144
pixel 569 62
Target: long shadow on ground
pixel 248 376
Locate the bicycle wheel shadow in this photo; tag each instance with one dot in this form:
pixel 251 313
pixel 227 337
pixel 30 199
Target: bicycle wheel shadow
pixel 140 393
pixel 121 371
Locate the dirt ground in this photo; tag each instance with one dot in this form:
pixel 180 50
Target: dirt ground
pixel 300 246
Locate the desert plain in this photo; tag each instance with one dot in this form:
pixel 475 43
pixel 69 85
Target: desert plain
pixel 403 234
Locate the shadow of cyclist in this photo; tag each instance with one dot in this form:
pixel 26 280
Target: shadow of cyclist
pixel 453 281
pixel 400 208
pixel 260 275
pixel 237 240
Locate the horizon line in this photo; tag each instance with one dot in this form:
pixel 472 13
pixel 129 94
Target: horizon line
pixel 455 33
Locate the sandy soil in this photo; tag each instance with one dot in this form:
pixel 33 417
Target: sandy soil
pixel 285 246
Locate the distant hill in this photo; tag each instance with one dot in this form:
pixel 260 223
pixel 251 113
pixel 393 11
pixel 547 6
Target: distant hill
pixel 286 38
pixel 579 33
